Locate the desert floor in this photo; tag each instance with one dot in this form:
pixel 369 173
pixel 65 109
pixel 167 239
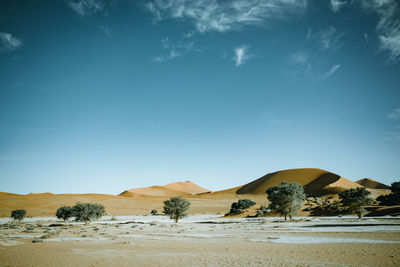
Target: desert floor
pixel 201 240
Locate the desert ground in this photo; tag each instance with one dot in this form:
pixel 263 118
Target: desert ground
pixel 201 240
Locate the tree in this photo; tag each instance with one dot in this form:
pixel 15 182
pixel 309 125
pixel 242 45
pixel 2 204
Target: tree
pixel 395 187
pixel 393 198
pixel 287 199
pixel 64 213
pixel 242 204
pixel 176 208
pixel 18 214
pixel 87 211
pixel 355 199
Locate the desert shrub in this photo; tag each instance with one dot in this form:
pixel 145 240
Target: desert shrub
pixel 286 199
pixel 153 212
pixel 18 214
pixel 87 212
pixel 355 199
pixel 393 198
pixel 64 213
pixel 176 208
pixel 327 208
pixel 240 206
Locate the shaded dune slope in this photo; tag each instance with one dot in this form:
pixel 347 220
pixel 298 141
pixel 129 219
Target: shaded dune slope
pixel 316 182
pixel 369 183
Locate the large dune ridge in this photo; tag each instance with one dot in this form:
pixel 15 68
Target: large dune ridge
pixel 316 182
pixel 370 183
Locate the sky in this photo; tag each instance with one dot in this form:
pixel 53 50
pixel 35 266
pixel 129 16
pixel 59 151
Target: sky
pixel 102 96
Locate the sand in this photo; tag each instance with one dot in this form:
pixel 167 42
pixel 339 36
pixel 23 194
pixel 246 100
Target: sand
pixel 204 240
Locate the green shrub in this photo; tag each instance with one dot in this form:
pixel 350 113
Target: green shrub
pixel 86 212
pixel 287 199
pixel 240 206
pixel 18 214
pixel 64 213
pixel 153 212
pixel 176 208
pixel 355 199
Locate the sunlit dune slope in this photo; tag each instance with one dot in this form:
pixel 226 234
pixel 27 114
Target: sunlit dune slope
pixel 169 190
pixel 369 183
pixel 316 182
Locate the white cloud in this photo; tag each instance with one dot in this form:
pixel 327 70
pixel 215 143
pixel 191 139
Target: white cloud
pixel 107 30
pixel 176 49
pixel 391 44
pixel 171 55
pixel 8 42
pixel 300 67
pixel 222 16
pixel 330 72
pixel 336 5
pixel 329 38
pixel 86 7
pixel 298 58
pixel 394 115
pixel 388 26
pixel 241 55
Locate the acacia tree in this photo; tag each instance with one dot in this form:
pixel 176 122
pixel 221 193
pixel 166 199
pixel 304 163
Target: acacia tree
pixel 64 213
pixel 87 211
pixel 355 199
pixel 18 214
pixel 176 208
pixel 287 199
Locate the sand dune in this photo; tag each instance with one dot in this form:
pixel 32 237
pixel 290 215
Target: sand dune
pixel 369 183
pixel 169 190
pixel 316 182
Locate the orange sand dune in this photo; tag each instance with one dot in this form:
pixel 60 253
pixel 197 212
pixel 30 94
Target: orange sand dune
pixel 369 183
pixel 169 190
pixel 316 182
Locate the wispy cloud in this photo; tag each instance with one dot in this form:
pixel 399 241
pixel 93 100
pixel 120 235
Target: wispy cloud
pixel 388 26
pixel 107 30
pixel 330 72
pixel 171 55
pixel 177 49
pixel 336 5
pixel 86 8
pixel 241 55
pixel 394 115
pixel 300 68
pixel 8 42
pixel 222 16
pixel 329 38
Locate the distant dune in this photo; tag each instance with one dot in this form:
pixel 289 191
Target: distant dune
pixel 169 190
pixel 369 183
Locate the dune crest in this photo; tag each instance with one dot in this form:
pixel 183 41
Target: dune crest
pixel 370 183
pixel 168 190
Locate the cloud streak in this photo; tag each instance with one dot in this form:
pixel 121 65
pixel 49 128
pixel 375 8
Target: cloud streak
pixel 336 5
pixel 8 42
pixel 86 8
pixel 223 16
pixel 388 26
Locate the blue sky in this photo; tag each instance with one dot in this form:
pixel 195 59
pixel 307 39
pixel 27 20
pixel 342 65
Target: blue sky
pixel 102 96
